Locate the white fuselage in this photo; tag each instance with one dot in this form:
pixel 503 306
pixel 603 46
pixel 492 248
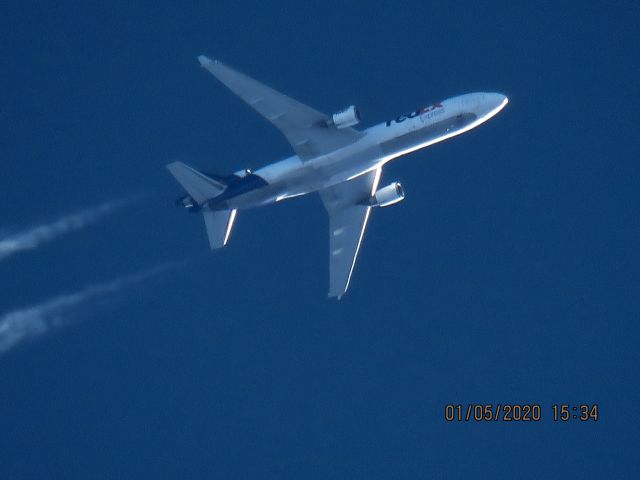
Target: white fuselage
pixel 380 144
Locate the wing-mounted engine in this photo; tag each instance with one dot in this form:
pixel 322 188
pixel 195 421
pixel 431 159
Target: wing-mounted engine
pixel 392 193
pixel 348 117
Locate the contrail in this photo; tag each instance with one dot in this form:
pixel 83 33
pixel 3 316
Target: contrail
pixel 36 236
pixel 36 320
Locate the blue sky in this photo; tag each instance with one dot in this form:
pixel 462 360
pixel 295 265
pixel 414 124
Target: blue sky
pixel 508 275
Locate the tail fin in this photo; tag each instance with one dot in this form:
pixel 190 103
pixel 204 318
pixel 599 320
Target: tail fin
pixel 198 185
pixel 202 188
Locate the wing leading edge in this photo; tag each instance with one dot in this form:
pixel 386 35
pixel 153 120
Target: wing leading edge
pixel 349 210
pixel 305 128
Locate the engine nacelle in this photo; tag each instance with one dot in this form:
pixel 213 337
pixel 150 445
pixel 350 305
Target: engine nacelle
pixel 188 202
pixel 243 173
pixel 346 118
pixel 388 195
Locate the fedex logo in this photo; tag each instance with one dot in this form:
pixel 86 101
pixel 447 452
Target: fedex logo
pixel 431 110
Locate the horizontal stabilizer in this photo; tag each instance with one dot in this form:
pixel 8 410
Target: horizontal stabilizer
pixel 198 185
pixel 219 224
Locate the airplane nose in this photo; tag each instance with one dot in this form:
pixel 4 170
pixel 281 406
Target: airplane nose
pixel 482 104
pixel 497 99
pixel 494 102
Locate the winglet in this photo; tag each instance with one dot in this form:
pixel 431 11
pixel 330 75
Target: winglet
pixel 204 60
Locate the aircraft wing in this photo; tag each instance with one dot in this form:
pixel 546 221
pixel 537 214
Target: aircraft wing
pixel 348 209
pixel 305 128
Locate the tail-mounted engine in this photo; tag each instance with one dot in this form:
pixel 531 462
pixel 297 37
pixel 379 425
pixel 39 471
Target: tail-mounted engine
pixel 388 195
pixel 188 202
pixel 346 118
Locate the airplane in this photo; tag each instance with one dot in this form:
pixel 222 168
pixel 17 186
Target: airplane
pixel 342 164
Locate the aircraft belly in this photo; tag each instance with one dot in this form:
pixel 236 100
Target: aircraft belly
pixel 255 198
pixel 277 171
pixel 292 177
pixel 339 168
pixel 289 186
pixel 429 134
